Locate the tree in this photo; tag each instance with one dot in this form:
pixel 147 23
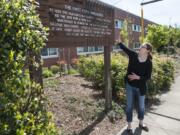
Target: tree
pixel 23 108
pixel 176 36
pixel 124 32
pixel 158 35
pixel 161 36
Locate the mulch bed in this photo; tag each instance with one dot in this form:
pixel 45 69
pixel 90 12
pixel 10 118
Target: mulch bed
pixel 76 109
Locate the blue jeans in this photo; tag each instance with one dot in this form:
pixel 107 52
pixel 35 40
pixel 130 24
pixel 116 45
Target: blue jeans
pixel 133 93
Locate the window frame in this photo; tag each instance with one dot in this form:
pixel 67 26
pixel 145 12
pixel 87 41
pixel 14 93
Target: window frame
pixel 134 45
pixel 90 50
pixel 48 53
pixel 136 27
pixel 119 24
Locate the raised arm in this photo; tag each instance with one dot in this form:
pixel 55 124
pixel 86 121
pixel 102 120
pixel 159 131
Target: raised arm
pixel 128 51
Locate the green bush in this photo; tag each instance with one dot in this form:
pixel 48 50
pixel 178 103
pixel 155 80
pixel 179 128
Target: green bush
pixel 73 71
pixel 47 73
pixel 119 66
pixel 23 107
pixel 92 68
pixel 162 76
pixel 55 69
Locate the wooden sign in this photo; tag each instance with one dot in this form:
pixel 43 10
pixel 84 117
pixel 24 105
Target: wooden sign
pixel 77 22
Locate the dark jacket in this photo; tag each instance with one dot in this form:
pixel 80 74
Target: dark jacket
pixel 142 69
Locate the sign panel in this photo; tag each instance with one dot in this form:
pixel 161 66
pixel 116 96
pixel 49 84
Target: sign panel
pixel 77 22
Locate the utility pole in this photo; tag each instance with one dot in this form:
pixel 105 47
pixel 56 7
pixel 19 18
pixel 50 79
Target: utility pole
pixel 142 16
pixel 142 25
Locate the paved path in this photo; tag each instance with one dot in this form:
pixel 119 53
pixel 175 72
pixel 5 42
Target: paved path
pixel 163 119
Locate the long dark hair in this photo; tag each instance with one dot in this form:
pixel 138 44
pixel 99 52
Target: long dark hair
pixel 149 48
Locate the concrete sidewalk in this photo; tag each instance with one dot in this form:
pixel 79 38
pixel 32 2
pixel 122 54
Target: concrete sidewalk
pixel 163 119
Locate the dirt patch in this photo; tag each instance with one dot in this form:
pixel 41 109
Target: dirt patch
pixel 78 108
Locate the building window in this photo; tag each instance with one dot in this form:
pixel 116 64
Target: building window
pixel 96 48
pixel 137 45
pixel 49 53
pixel 100 48
pixel 89 50
pixel 85 49
pixel 80 49
pixel 118 24
pixel 116 48
pixel 136 28
pixel 146 30
pixel 44 52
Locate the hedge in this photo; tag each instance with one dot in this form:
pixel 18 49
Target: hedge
pixel 23 107
pixel 92 68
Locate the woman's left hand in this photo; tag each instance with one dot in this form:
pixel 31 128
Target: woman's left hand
pixel 133 76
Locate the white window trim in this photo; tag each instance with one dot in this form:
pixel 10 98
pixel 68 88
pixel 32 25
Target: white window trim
pixel 137 26
pixel 116 49
pixel 115 23
pixel 89 52
pixel 119 24
pixel 51 56
pixel 135 48
pixel 86 53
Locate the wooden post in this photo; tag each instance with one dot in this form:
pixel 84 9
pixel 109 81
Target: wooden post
pixel 107 77
pixel 69 60
pixel 35 72
pixel 60 65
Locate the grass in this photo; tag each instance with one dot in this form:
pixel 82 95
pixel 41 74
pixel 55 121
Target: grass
pixel 73 71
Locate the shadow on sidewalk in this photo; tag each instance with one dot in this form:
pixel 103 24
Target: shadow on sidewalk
pixel 124 132
pixel 137 131
pixel 151 102
pixel 90 128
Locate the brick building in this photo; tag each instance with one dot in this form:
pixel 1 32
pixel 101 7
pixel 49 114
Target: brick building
pixel 51 56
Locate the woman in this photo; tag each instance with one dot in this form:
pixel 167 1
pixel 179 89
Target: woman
pixel 138 72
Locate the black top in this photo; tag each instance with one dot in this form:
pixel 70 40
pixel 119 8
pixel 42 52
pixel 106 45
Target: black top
pixel 142 69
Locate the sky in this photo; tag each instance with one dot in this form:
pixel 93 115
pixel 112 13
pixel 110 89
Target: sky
pixel 166 12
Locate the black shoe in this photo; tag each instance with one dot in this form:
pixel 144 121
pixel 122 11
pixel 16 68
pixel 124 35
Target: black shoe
pixel 129 131
pixel 144 127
